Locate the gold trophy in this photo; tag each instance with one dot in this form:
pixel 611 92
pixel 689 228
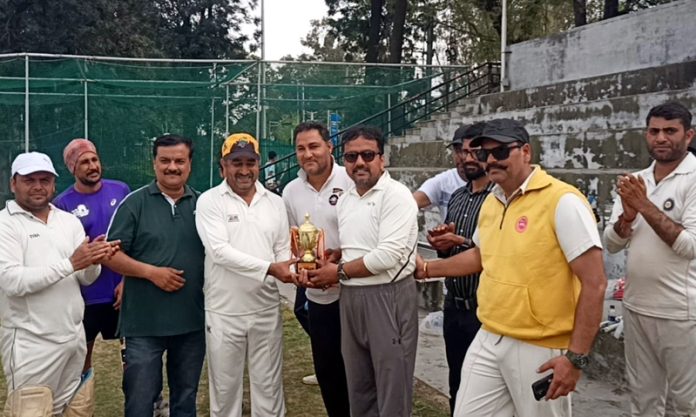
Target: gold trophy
pixel 307 243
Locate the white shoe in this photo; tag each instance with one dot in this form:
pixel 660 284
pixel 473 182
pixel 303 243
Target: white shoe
pixel 310 380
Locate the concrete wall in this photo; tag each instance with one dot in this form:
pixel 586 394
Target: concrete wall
pixel 653 37
pixel 584 132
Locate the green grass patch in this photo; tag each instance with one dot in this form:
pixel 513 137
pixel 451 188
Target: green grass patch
pixel 300 400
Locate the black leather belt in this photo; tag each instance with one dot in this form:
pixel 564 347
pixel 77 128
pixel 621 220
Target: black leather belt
pixel 460 303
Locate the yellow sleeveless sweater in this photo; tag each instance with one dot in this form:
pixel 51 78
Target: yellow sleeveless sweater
pixel 527 289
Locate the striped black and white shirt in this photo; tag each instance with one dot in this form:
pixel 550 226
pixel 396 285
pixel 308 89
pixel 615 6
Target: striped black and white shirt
pixel 463 211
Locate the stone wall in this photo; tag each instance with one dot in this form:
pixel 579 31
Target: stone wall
pixel 653 37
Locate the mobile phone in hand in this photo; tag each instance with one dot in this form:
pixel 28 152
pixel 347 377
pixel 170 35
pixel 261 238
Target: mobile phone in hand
pixel 540 387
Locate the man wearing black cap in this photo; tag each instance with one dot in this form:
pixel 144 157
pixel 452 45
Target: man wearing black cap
pixel 439 189
pixel 454 236
pixel 541 289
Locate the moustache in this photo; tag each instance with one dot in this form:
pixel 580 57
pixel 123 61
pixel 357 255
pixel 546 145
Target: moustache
pixel 168 172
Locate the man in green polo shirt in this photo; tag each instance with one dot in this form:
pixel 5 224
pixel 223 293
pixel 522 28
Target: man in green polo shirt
pixel 162 261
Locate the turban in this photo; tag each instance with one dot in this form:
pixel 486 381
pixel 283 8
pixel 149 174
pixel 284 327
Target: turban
pixel 74 150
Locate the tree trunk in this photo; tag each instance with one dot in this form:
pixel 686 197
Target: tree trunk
pixel 611 8
pixel 373 39
pixel 580 12
pixel 396 39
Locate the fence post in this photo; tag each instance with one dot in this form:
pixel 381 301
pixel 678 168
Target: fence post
pixel 26 102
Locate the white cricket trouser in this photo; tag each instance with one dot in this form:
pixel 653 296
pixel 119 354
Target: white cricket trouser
pixel 497 377
pixel 229 339
pixel 660 357
pixel 29 360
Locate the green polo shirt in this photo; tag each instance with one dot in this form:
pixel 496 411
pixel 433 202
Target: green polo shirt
pixel 155 232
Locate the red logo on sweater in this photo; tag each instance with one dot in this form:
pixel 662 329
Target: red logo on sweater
pixel 521 224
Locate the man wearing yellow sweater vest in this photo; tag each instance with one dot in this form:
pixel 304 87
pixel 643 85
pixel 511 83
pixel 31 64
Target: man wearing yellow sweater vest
pixel 541 290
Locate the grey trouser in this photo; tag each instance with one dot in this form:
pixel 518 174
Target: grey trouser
pixel 379 336
pixel 660 356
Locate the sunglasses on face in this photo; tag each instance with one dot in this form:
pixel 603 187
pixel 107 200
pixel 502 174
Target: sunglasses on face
pixel 367 156
pixel 500 153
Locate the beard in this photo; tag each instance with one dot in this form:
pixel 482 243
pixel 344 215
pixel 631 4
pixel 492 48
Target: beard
pixel 89 181
pixel 675 154
pixel 472 175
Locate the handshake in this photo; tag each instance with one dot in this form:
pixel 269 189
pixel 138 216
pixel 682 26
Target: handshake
pixel 94 252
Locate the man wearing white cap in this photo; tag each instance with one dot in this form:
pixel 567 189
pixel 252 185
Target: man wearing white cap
pixel 44 257
pixel 246 235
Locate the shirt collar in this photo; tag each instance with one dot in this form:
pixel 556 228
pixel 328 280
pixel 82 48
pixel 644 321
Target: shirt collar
pixel 686 166
pixel 153 189
pixel 381 184
pixel 14 208
pixel 500 194
pixel 225 188
pixel 469 187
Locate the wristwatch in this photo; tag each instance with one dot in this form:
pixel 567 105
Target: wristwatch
pixel 578 360
pixel 342 276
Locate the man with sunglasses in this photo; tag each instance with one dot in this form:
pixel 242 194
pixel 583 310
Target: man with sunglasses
pixel 655 214
pixel 378 229
pixel 454 236
pixel 542 287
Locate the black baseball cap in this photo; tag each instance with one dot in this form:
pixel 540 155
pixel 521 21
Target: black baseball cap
pixel 467 132
pixel 503 131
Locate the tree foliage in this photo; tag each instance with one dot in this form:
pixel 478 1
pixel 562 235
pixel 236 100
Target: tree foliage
pixel 136 28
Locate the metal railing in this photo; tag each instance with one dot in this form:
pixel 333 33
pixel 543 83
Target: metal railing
pixel 395 120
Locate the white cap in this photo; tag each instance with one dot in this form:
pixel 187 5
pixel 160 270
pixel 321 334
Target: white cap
pixel 30 162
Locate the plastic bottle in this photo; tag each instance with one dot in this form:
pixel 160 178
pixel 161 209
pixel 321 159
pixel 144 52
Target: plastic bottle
pixel 611 316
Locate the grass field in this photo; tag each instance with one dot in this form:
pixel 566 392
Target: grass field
pixel 301 400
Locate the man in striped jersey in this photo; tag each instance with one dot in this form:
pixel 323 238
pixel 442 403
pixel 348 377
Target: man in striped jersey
pixel 460 323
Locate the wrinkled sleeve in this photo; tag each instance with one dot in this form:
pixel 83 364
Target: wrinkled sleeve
pixel 685 244
pixel 612 241
pixel 397 218
pixel 16 279
pixel 210 223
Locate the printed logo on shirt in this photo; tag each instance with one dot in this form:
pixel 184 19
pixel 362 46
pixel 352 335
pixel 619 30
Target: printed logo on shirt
pixel 233 218
pixel 668 204
pixel 81 211
pixel 34 235
pixel 521 224
pixel 112 202
pixel 336 192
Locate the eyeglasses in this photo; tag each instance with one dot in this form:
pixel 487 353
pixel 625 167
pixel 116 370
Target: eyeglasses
pixel 465 152
pixel 367 156
pixel 500 153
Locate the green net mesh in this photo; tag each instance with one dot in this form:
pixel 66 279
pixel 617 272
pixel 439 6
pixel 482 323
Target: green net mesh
pixel 123 105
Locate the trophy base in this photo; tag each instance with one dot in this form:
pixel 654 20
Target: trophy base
pixel 307 265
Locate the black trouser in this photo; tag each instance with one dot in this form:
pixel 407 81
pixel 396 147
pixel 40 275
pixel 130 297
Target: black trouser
pixel 459 328
pixel 300 308
pixel 325 333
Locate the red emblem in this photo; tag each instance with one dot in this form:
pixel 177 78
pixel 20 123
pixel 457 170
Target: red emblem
pixel 521 224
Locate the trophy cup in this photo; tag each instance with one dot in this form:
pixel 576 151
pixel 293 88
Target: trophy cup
pixel 307 243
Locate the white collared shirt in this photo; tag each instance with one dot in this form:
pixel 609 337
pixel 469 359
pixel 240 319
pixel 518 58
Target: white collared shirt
pixel 576 227
pixel 381 227
pixel 241 241
pixel 301 198
pixel 39 289
pixel 661 280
